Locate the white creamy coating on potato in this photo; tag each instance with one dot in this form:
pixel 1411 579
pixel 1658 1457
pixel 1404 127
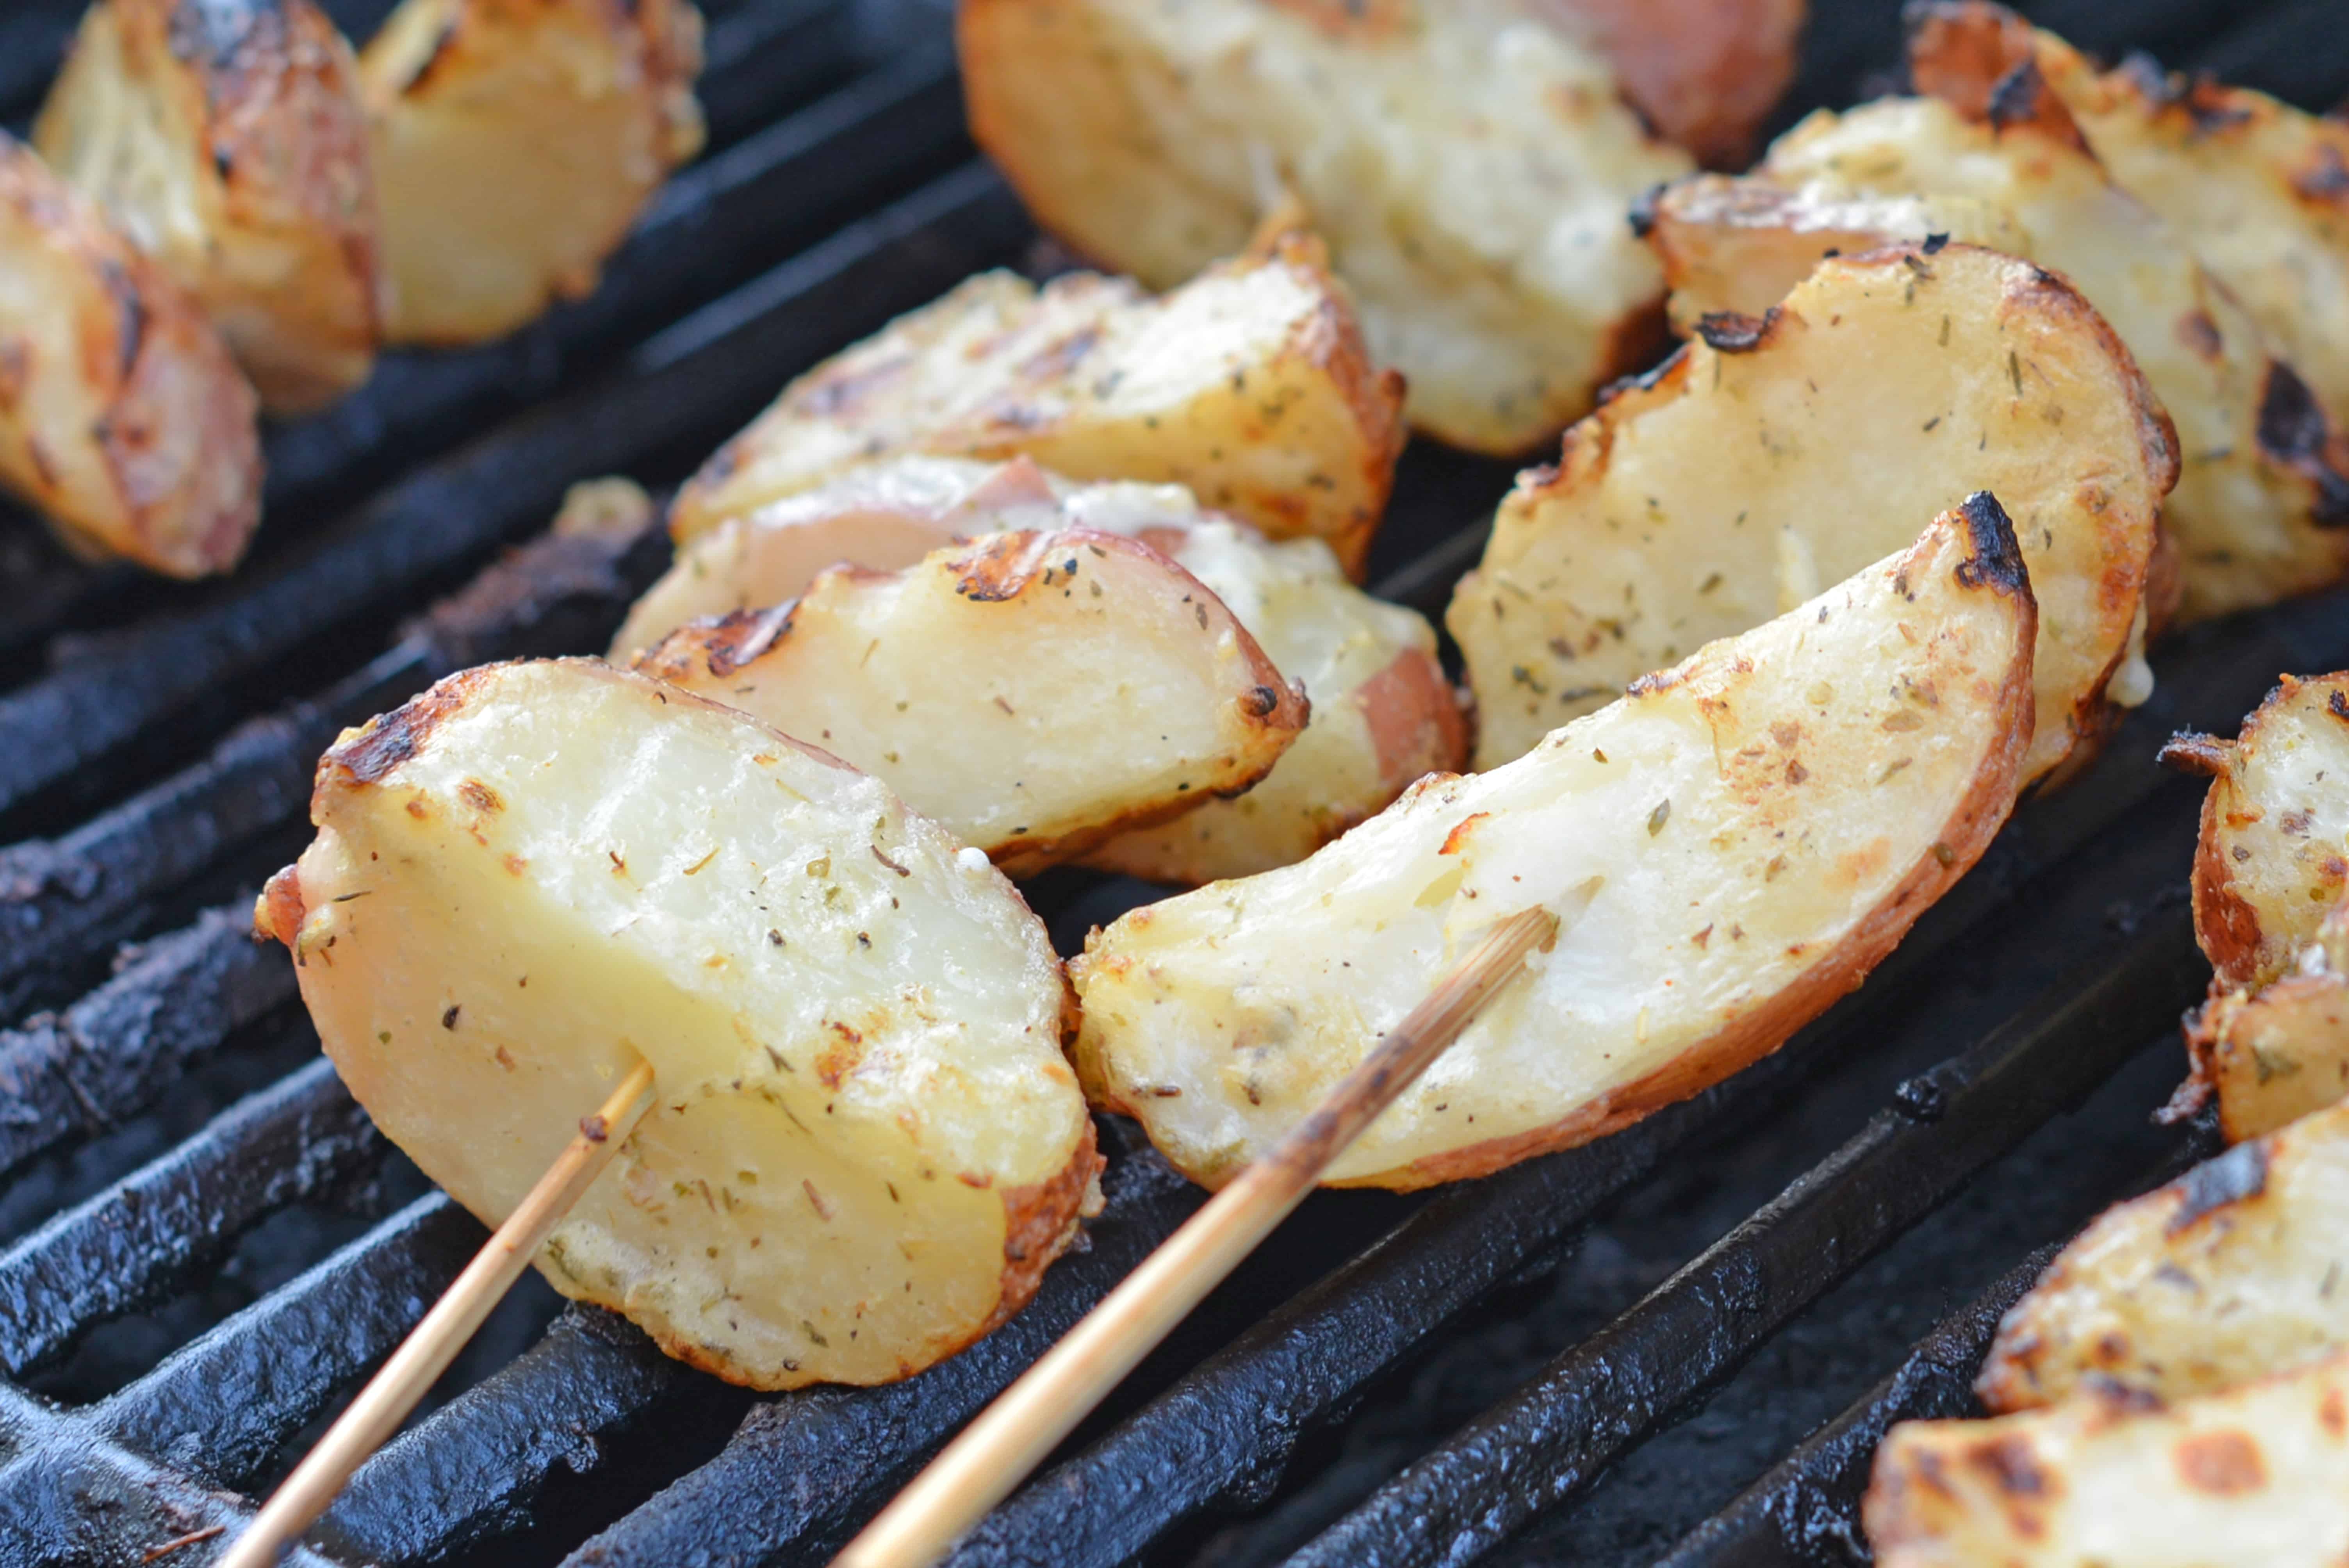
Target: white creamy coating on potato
pixel 555 867
pixel 1728 849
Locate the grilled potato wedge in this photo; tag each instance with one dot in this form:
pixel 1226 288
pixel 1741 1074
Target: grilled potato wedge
pixel 122 416
pixel 2258 1475
pixel 1384 714
pixel 515 143
pixel 1469 163
pixel 226 139
pixel 1779 453
pixel 2236 1270
pixel 2261 189
pixel 1249 386
pixel 864 1146
pixel 2273 857
pixel 2262 495
pixel 1034 693
pixel 1730 848
pixel 2277 1053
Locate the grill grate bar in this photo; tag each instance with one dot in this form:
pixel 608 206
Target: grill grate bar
pixel 178 998
pixel 295 1140
pixel 1550 1440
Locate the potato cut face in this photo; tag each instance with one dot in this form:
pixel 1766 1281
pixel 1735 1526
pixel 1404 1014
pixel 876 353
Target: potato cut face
pixel 516 141
pixel 226 139
pixel 1781 452
pixel 865 1145
pixel 2273 857
pixel 2229 1273
pixel 2262 494
pixel 1729 847
pixel 1032 692
pixel 1249 386
pixel 2256 1475
pixel 2275 1053
pixel 2260 188
pixel 1382 716
pixel 127 423
pixel 1469 164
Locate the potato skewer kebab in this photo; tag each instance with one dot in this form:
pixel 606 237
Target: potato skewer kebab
pixel 980 1467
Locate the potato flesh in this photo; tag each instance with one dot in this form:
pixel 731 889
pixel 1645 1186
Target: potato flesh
pixel 2276 1054
pixel 2248 524
pixel 1885 388
pixel 1248 386
pixel 1033 692
pixel 1383 713
pixel 2239 1269
pixel 1469 164
pixel 234 151
pixel 1728 850
pixel 856 1029
pixel 125 421
pixel 516 141
pixel 2255 1478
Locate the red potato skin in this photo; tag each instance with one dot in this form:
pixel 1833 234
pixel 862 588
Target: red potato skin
pixel 1705 73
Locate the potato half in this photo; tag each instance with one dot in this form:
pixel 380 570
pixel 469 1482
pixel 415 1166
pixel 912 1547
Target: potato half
pixel 2258 1475
pixel 2238 1269
pixel 1249 386
pixel 1034 693
pixel 226 139
pixel 2273 857
pixel 1729 849
pixel 866 1146
pixel 1781 452
pixel 2261 509
pixel 515 142
pixel 2260 188
pixel 2281 1051
pixel 1383 713
pixel 122 416
pixel 1469 163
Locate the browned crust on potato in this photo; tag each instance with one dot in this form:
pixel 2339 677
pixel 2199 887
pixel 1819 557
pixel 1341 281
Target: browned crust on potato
pixel 1983 61
pixel 279 910
pixel 1980 812
pixel 1040 1221
pixel 2296 432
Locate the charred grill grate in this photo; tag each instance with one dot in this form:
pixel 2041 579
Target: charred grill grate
pixel 1508 1369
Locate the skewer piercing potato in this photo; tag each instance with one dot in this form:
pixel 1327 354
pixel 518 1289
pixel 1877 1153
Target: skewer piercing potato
pixel 1249 386
pixel 2238 1269
pixel 1780 452
pixel 515 142
pixel 864 1147
pixel 1729 847
pixel 1034 692
pixel 1469 162
pixel 1383 713
pixel 2257 1475
pixel 122 416
pixel 226 139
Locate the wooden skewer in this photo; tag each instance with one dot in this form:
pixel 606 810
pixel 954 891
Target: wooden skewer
pixel 1012 1436
pixel 421 1359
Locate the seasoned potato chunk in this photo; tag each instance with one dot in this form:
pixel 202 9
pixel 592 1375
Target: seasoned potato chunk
pixel 1382 714
pixel 1729 849
pixel 2260 188
pixel 1032 692
pixel 2277 1053
pixel 515 142
pixel 864 1146
pixel 2262 495
pixel 1469 163
pixel 2275 852
pixel 2234 1271
pixel 226 139
pixel 2258 1475
pixel 122 416
pixel 1781 452
pixel 1249 386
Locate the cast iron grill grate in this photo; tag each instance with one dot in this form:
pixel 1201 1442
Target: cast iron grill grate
pixel 1678 1344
